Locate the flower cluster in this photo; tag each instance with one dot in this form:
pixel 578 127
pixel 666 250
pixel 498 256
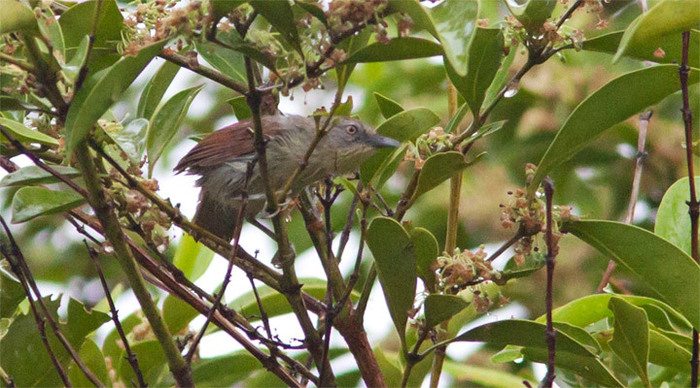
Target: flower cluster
pixel 433 142
pixel 529 216
pixel 462 269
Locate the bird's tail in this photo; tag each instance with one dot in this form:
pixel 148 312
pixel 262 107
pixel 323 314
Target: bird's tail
pixel 214 217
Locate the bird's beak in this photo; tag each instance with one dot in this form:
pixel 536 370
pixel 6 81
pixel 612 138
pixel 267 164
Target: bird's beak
pixel 378 141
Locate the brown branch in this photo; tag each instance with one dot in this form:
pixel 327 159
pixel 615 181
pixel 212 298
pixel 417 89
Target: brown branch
pixel 12 258
pixel 289 283
pixel 130 356
pixel 551 255
pixel 226 319
pixel 229 268
pixel 113 232
pixel 214 75
pixel 23 271
pixel 644 119
pixel 693 204
pixel 243 260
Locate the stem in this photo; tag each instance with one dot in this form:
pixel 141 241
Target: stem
pixel 130 356
pixel 289 283
pixel 634 195
pixel 551 254
pixel 693 205
pixel 450 240
pixel 216 76
pixel 179 368
pixel 17 62
pixel 13 257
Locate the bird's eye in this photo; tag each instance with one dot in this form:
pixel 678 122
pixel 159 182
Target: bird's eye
pixel 351 129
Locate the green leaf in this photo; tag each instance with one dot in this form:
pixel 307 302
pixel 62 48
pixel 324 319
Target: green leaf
pixel 227 61
pixel 484 59
pixel 208 372
pixel 16 16
pixel 533 263
pixel 24 134
pixel 24 357
pixel 483 377
pixel 388 168
pixel 439 308
pixel 177 314
pixel 222 8
pixel 665 352
pixel 533 13
pixel 32 175
pixel 155 89
pixel 99 93
pixel 34 201
pixel 350 46
pixel 670 44
pixel 455 21
pixel 596 113
pixel 631 337
pixel 76 23
pixel 426 249
pixel 396 49
pixel 276 304
pixel 8 103
pixel 52 30
pixel 192 257
pixel 457 118
pixel 437 169
pixel 387 106
pixel 593 308
pixel 166 122
pixel 639 252
pixel 131 139
pixel 499 81
pixel 95 361
pixel 151 362
pixel 112 344
pixel 72 68
pixel 240 108
pixel 313 8
pixel 11 291
pixel 396 266
pixel 280 16
pixel 665 18
pixel 408 125
pixel 570 354
pixel 672 219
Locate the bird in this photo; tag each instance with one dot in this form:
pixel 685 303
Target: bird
pixel 226 163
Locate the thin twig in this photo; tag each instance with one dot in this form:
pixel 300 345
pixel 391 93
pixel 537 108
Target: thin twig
pixel 551 255
pixel 114 233
pixel 693 204
pixel 229 268
pixel 450 245
pixel 25 272
pixel 644 119
pixel 26 66
pixel 289 283
pixel 130 356
pixel 214 75
pixel 12 258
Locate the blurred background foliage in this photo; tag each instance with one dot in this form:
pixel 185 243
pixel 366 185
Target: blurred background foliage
pixel 596 181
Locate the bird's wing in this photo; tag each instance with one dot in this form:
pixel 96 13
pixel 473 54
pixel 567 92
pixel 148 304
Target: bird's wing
pixel 226 144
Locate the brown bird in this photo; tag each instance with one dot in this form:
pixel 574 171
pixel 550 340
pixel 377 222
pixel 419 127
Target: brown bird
pixel 223 158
